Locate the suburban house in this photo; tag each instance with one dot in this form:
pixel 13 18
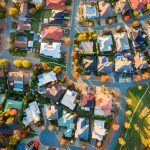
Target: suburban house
pixel 89 63
pixel 50 112
pixel 52 50
pixel 55 92
pixel 122 42
pixel 87 101
pixel 82 131
pixel 55 4
pixel 140 61
pixel 86 46
pixel 105 43
pixel 105 10
pixel 23 25
pixel 103 103
pixel 17 80
pixel 122 64
pixel 32 114
pixel 46 78
pixel 90 12
pixel 121 5
pixel 66 121
pixel 104 65
pixel 21 42
pixel 89 89
pixel 54 33
pixel 69 99
pixel 98 131
pixel 139 4
pixel 138 38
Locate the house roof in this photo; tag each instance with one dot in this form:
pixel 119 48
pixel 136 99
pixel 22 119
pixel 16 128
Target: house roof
pixel 105 43
pixel 105 9
pixel 121 5
pixel 139 4
pixel 52 50
pixel 87 46
pixel 66 121
pixel 69 99
pixel 21 42
pixel 140 62
pixel 51 112
pixel 82 131
pixel 46 78
pixel 90 63
pixel 32 113
pixel 103 104
pixel 55 4
pixel 99 130
pixel 122 41
pixel 104 65
pixel 55 92
pixel 138 38
pixel 87 100
pixel 122 64
pixel 90 11
pixel 54 33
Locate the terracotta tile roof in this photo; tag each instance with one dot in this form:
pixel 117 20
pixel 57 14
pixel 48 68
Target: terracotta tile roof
pixel 57 4
pixel 53 33
pixel 22 26
pixel 87 100
pixel 139 4
pixel 21 43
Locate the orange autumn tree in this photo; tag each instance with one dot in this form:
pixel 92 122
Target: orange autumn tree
pixel 76 75
pixel 137 78
pixel 104 78
pixel 145 75
pixel 74 54
pixel 126 18
pixel 62 141
pixel 67 41
pixel 115 126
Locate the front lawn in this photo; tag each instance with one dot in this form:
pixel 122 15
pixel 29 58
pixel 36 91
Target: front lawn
pixel 35 25
pixel 47 13
pixel 135 139
pixel 21 53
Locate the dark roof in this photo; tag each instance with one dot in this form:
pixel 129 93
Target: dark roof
pixel 88 100
pixel 55 93
pixel 90 63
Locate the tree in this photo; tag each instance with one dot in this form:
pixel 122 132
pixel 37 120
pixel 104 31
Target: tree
pixel 10 120
pixel 129 101
pixel 44 66
pixel 104 78
pixel 135 24
pixel 121 141
pixel 38 6
pixel 115 126
pixel 128 112
pixel 17 63
pixel 137 78
pixel 26 64
pixel 127 125
pixel 62 141
pixel 118 29
pixel 3 63
pixel 57 69
pixel 2 12
pixel 148 7
pixel 110 21
pixel 32 11
pixel 76 75
pixel 13 11
pixel 136 127
pixel 135 14
pixel 126 18
pixel 145 75
pixel 67 41
pixel 105 30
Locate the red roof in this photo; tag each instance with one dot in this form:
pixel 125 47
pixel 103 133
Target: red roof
pixel 57 4
pixel 139 4
pixel 53 33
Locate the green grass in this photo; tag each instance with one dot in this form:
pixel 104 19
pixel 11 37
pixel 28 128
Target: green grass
pixel 45 59
pixel 134 139
pixel 13 36
pixel 30 37
pixel 21 53
pixel 47 13
pixel 35 25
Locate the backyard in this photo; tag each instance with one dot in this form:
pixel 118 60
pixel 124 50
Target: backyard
pixel 140 119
